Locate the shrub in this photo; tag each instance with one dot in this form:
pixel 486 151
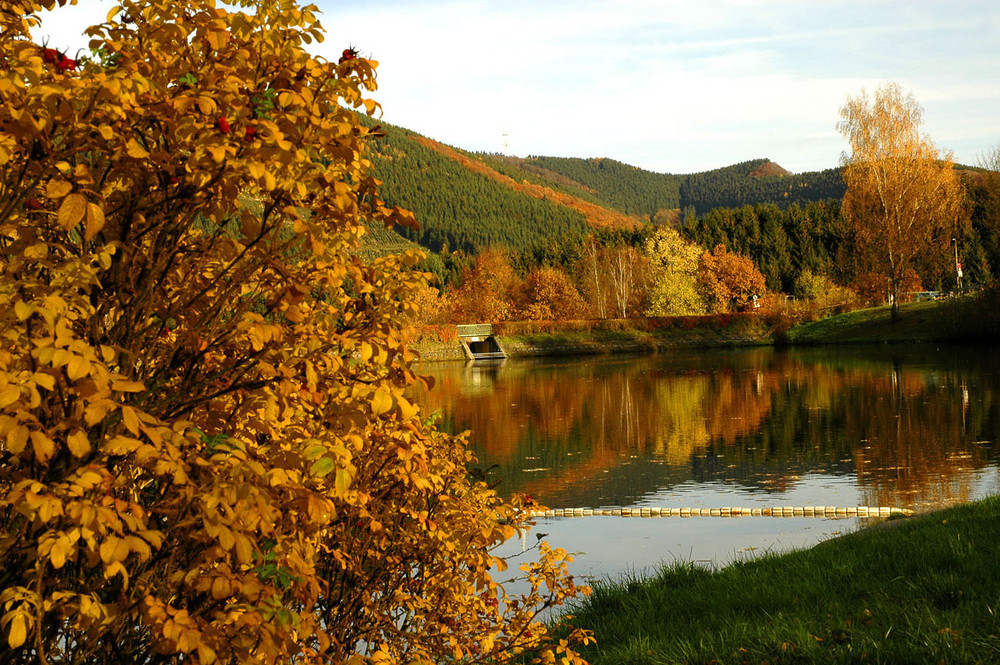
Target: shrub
pixel 206 454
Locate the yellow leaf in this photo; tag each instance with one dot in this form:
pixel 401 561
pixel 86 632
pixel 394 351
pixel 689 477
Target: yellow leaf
pixel 60 550
pixel 23 310
pixel 312 378
pixel 366 352
pixel 116 568
pixel 37 251
pixel 77 368
pixel 17 439
pixel 217 39
pixel 58 188
pixel 206 655
pixel 244 553
pixel 46 381
pixel 95 221
pixel 381 402
pixel 121 445
pixel 135 150
pixel 221 587
pixel 44 447
pixel 206 105
pixel 406 410
pixel 94 412
pixel 218 152
pixel 130 419
pixel 18 630
pixel 106 132
pixel 9 395
pixel 124 386
pixel 111 548
pixel 78 443
pixel 72 210
pixel 343 481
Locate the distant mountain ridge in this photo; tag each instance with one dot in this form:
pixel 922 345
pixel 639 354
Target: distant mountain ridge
pixel 465 200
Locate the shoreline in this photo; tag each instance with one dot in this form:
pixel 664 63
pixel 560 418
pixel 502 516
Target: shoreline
pixel 958 321
pixel 600 342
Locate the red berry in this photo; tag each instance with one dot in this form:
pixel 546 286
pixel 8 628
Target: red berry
pixel 66 64
pixel 33 204
pixel 250 133
pixel 348 54
pixel 223 125
pixel 51 56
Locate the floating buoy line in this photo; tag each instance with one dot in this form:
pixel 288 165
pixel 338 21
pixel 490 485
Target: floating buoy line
pixel 827 512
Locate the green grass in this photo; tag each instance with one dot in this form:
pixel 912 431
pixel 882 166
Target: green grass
pixel 951 319
pixel 921 590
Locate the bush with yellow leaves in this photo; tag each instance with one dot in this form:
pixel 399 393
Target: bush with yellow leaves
pixel 206 454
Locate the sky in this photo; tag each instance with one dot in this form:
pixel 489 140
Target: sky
pixel 676 86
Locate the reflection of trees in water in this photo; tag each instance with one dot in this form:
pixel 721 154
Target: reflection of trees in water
pixel 912 447
pixel 759 419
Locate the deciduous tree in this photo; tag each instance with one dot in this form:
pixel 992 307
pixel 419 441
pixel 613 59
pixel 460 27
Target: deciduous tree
pixel 629 279
pixel 673 265
pixel 549 294
pixel 206 452
pixel 489 289
pixel 593 278
pixel 903 198
pixel 728 280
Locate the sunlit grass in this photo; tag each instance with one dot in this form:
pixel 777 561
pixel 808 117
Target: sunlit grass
pixel 923 590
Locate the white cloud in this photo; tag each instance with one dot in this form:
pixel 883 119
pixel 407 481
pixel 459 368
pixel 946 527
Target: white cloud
pixel 670 86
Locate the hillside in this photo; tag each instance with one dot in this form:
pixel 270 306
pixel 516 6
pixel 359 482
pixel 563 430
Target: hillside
pixel 470 201
pixel 635 191
pixel 461 207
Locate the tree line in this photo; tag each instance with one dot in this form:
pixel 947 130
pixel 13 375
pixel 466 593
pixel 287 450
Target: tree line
pixel 794 229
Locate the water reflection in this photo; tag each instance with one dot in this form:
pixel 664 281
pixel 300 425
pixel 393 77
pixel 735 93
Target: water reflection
pixel 914 427
pixel 909 424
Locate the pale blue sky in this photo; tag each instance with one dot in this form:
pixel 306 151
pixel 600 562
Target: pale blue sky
pixel 678 87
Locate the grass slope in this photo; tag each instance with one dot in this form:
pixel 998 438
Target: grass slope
pixel 926 590
pixel 952 319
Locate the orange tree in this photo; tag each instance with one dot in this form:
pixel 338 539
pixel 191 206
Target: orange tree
pixel 549 294
pixel 728 281
pixel 488 290
pixel 207 454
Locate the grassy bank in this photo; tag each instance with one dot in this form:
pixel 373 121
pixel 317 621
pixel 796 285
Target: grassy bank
pixel 968 318
pixel 921 590
pixel 963 319
pixel 572 338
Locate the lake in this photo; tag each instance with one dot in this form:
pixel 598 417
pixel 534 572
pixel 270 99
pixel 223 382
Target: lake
pixel 913 427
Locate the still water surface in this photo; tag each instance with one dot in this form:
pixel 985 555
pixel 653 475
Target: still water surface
pixel 902 426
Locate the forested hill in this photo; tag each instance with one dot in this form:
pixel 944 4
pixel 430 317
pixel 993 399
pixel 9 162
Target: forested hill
pixel 644 193
pixel 470 201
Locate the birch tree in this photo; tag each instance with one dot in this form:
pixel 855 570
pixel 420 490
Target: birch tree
pixel 903 197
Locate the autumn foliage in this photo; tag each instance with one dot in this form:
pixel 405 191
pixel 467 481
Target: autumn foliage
pixel 728 280
pixel 904 201
pixel 207 454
